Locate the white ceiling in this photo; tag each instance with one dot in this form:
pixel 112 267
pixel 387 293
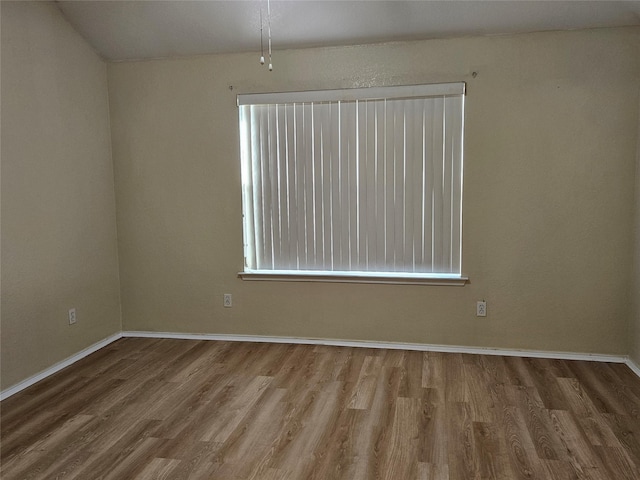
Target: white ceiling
pixel 122 30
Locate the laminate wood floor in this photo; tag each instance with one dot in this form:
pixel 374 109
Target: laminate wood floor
pixel 177 409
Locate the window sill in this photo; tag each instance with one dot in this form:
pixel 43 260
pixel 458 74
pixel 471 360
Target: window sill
pixel 357 277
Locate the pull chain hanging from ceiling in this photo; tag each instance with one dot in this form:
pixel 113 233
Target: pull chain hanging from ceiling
pixel 269 18
pixel 261 42
pixel 268 33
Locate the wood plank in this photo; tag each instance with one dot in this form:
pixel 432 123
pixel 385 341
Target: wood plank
pixel 427 471
pixel 411 386
pixel 463 457
pixel 476 394
pixel 158 469
pixel 540 371
pixel 455 386
pixel 539 425
pixel 433 444
pixel 617 463
pixel 491 451
pixel 364 389
pixel 401 449
pixel 580 452
pixel 524 460
pixel 598 389
pixel 627 431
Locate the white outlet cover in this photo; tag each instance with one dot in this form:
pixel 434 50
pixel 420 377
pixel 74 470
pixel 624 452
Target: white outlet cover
pixel 227 300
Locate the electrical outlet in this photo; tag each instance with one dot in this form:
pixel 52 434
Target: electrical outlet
pixel 72 316
pixel 481 309
pixel 227 300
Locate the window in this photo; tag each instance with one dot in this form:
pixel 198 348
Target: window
pixel 356 184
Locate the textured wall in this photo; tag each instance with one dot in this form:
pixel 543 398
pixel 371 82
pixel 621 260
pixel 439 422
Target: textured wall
pixel 551 126
pixel 635 322
pixel 58 208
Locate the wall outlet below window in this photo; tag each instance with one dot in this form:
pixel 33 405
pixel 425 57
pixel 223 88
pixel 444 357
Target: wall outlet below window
pixel 227 301
pixel 481 309
pixel 72 316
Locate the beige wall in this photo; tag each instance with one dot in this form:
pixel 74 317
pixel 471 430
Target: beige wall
pixel 635 321
pixel 551 126
pixel 551 150
pixel 58 208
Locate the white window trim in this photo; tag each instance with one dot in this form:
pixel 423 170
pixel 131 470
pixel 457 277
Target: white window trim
pixel 356 277
pixel 404 278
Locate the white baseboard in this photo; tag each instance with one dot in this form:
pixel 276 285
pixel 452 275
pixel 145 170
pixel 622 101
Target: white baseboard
pixel 58 366
pixel 633 366
pixel 391 345
pixel 320 341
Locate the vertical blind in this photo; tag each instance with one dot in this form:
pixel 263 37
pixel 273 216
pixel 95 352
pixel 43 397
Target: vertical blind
pixel 357 180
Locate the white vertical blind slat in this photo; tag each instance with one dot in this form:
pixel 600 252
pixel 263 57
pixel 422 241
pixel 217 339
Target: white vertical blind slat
pixel 336 204
pixel 389 186
pixel 292 206
pixel 276 205
pixel 325 154
pixel 352 192
pixel 446 188
pixel 265 194
pixel 427 185
pixel 282 185
pixel 370 156
pixel 345 200
pixel 361 178
pixel 318 184
pixel 380 225
pixel 457 112
pixel 300 185
pixel 399 184
pixel 415 173
pixel 409 184
pixel 274 201
pixel 309 186
pixel 437 165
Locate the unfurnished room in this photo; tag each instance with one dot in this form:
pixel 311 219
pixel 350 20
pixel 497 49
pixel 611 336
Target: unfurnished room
pixel 286 239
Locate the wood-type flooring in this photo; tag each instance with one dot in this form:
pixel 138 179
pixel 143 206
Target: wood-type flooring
pixel 145 408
